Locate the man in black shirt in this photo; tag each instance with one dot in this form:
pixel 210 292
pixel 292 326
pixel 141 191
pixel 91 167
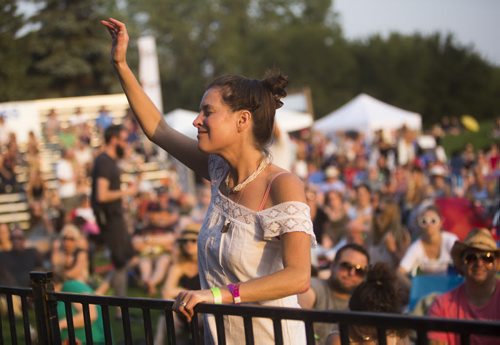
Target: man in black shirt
pixel 107 204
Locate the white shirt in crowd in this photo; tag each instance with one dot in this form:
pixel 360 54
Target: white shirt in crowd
pixel 416 260
pixel 65 171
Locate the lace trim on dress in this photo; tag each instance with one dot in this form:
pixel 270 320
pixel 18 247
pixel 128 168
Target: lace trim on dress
pixel 286 217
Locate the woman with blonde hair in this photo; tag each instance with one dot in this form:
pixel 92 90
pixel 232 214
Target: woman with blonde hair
pixel 388 239
pixel 69 254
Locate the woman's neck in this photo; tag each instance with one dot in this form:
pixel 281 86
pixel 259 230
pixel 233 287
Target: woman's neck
pixel 244 164
pixel 431 237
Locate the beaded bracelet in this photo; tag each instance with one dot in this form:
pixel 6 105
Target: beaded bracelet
pixel 217 295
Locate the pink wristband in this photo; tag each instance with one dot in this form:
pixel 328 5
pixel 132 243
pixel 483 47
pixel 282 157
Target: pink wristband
pixel 234 289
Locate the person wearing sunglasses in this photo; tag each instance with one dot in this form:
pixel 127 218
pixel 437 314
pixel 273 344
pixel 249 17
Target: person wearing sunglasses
pixel 183 275
pixel 347 271
pixel 379 293
pixel 477 258
pixel 69 254
pixel 430 253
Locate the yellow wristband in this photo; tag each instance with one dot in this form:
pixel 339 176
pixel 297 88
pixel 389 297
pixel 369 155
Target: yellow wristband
pixel 217 295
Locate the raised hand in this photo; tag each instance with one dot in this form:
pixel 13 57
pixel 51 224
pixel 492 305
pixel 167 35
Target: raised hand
pixel 120 38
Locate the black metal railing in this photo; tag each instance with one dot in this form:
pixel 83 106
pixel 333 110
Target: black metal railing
pixel 44 300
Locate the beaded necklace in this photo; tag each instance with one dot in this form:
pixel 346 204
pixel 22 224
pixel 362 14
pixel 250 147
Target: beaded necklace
pixel 263 164
pixel 239 187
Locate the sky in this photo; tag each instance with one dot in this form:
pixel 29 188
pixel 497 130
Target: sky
pixel 473 23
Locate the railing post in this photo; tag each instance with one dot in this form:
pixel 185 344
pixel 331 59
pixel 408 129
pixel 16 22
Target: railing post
pixel 47 322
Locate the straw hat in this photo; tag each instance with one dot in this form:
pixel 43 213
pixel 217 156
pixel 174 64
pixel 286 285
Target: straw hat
pixel 190 232
pixel 480 239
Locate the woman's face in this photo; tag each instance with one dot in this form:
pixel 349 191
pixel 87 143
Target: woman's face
pixel 69 242
pixel 430 221
pixel 190 246
pixel 216 123
pixel 334 199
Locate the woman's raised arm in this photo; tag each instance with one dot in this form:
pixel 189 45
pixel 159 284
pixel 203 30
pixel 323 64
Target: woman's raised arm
pixel 151 120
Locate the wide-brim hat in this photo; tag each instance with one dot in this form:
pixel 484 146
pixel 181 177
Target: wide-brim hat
pixel 479 239
pixel 190 232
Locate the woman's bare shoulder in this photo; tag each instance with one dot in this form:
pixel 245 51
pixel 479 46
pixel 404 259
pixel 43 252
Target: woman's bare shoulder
pixel 286 186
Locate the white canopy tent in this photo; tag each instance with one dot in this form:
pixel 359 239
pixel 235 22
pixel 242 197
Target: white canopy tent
pixel 367 114
pixel 182 121
pixel 288 121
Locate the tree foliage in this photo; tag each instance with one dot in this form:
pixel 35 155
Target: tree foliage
pixel 197 40
pixel 14 69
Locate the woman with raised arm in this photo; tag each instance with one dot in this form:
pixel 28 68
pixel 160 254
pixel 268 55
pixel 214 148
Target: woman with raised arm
pixel 254 245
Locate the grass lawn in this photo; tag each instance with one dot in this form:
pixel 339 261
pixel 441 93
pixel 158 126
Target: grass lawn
pixel 479 139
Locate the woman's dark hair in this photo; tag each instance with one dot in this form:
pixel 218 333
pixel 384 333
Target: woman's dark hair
pixel 432 208
pixel 380 292
pixel 260 97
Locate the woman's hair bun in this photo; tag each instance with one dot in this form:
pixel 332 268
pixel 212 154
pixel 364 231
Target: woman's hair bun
pixel 276 83
pixel 380 274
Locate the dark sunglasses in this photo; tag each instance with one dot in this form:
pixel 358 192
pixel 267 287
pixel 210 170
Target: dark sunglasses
pixel 359 270
pixel 190 241
pixel 487 258
pixel 67 238
pixel 424 221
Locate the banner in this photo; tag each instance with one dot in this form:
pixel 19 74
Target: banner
pixel 149 74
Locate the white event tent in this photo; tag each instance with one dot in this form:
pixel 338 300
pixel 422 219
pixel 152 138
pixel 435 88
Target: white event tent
pixel 367 114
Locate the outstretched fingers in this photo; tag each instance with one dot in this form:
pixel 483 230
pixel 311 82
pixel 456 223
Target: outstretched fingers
pixel 115 27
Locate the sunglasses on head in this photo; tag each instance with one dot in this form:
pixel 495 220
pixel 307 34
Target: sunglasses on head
pixel 359 270
pixel 487 258
pixel 424 221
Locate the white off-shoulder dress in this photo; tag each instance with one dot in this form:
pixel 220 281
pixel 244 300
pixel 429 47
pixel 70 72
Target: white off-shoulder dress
pixel 249 249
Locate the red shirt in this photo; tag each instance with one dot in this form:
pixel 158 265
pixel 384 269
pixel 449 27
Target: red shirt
pixel 454 305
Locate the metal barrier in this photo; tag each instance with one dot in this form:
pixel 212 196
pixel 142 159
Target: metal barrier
pixel 45 301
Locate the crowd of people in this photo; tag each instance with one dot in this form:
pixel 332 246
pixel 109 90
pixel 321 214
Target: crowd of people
pixel 358 218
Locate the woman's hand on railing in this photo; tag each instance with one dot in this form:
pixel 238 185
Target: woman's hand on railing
pixel 187 300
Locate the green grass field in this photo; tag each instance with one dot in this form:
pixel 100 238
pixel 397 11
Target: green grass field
pixel 482 138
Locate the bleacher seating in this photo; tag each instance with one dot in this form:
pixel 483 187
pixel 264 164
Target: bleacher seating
pixel 14 208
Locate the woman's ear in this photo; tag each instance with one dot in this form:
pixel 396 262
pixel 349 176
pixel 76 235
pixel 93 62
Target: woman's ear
pixel 244 120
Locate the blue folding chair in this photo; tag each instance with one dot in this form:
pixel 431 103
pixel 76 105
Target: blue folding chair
pixel 423 285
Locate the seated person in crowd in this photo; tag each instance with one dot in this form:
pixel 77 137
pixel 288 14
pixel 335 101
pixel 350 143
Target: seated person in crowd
pixel 430 253
pixel 161 213
pixel 20 260
pixel 388 239
pixel 348 270
pixel 183 275
pixel 361 212
pixel 379 293
pixel 478 298
pixel 5 242
pixel 97 328
pixel 69 254
pixel 155 241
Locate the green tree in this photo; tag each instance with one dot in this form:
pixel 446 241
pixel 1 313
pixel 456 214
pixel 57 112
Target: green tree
pixel 431 75
pixel 70 50
pixel 13 57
